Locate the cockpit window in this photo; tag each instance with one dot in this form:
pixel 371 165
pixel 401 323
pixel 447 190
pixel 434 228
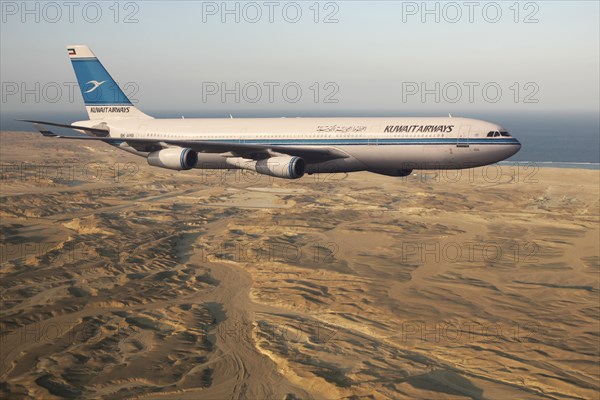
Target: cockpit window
pixel 497 134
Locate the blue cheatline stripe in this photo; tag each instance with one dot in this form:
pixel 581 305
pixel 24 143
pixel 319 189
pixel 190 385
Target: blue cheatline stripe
pixel 353 142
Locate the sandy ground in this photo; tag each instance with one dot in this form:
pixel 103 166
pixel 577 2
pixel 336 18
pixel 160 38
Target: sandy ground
pixel 120 280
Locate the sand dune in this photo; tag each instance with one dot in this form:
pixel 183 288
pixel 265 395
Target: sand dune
pixel 119 280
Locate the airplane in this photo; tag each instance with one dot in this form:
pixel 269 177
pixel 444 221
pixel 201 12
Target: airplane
pixel 285 148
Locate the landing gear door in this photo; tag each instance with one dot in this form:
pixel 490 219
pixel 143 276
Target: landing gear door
pixel 463 136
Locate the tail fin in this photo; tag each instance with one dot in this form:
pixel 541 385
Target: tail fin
pixel 103 98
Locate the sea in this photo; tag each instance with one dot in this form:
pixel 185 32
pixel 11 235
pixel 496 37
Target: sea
pixel 549 139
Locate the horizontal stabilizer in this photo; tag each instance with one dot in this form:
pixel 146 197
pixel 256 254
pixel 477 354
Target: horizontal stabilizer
pixel 100 132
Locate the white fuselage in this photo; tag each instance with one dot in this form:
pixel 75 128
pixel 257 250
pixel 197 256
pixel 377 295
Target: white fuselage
pixel 372 144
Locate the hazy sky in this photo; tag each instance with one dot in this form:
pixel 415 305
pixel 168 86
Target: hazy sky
pixel 370 57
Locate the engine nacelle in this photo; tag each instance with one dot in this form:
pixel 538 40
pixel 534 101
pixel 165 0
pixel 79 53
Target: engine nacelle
pixel 282 167
pixel 175 158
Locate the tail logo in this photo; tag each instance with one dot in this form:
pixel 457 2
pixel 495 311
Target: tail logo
pixel 96 85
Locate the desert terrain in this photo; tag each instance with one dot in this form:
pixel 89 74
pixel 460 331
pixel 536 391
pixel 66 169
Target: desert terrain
pixel 120 280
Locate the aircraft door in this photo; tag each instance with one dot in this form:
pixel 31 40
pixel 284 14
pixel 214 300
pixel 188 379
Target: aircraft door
pixel 142 131
pixel 463 136
pixel 372 133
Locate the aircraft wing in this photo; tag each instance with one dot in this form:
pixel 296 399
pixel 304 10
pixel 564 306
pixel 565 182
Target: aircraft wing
pixel 258 151
pixel 237 148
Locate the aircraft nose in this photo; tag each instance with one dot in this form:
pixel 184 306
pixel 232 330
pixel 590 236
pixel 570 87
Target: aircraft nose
pixel 514 148
pixel 518 146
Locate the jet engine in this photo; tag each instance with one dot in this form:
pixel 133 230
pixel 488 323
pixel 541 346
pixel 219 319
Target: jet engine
pixel 280 167
pixel 175 158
